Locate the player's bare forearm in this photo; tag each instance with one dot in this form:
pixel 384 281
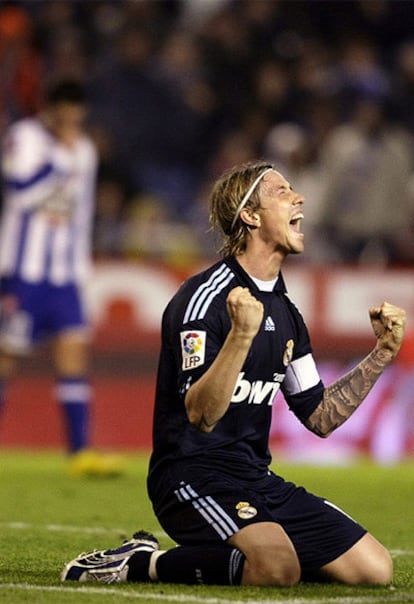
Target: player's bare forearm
pixel 344 396
pixel 341 398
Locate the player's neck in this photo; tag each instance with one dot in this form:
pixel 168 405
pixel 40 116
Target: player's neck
pixel 261 265
pixel 65 134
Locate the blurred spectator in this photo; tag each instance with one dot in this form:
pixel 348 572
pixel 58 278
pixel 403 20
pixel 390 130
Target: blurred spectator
pixel 359 72
pixel 151 233
pixel 154 131
pixel 273 90
pixel 109 223
pixel 194 13
pixel 62 39
pixel 403 84
pixel 367 163
pixel 21 67
pixel 405 242
pixel 176 85
pixel 236 146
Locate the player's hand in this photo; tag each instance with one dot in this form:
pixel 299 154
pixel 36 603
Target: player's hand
pixel 246 312
pixel 388 322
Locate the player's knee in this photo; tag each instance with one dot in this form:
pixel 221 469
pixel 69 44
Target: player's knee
pixel 373 570
pixel 284 575
pixel 280 575
pixel 381 570
pixel 276 568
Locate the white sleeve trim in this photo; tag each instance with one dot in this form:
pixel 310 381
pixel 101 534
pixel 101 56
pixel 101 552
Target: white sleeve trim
pixel 301 375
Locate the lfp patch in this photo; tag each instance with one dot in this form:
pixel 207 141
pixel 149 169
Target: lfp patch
pixel 193 346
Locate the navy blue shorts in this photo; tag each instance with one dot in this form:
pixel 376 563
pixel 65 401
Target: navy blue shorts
pixel 194 508
pixel 42 310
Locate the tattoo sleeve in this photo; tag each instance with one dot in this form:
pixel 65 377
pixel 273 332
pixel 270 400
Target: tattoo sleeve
pixel 341 398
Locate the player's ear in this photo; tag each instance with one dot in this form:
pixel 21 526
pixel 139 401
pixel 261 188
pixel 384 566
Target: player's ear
pixel 252 219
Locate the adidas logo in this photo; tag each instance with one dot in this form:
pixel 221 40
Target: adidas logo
pixel 269 324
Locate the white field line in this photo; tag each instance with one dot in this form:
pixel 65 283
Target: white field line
pixel 67 528
pixel 61 528
pixel 407 597
pixel 132 595
pixel 98 530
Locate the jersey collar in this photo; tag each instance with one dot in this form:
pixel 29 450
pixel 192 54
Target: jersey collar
pixel 245 280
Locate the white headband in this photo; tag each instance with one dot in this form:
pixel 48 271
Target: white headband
pixel 247 196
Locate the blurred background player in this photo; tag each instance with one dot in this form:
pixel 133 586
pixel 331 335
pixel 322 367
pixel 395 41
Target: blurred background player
pixel 49 170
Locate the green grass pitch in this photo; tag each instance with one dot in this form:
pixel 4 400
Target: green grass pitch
pixel 47 517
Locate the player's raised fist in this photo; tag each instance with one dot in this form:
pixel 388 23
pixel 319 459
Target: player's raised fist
pixel 388 322
pixel 246 312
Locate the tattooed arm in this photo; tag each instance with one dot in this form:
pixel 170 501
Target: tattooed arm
pixel 341 398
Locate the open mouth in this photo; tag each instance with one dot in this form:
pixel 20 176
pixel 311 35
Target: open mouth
pixel 295 222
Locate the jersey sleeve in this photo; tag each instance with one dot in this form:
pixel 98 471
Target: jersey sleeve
pixel 29 171
pixel 197 344
pixel 198 347
pixel 302 386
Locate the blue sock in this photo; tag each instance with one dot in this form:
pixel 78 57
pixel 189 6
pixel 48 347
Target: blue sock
pixel 74 396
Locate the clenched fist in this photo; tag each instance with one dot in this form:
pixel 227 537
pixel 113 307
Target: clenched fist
pixel 388 322
pixel 246 312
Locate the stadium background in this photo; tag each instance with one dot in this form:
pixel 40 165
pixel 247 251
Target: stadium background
pixel 179 91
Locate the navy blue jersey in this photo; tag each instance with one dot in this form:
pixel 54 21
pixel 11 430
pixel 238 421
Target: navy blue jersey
pixel 194 327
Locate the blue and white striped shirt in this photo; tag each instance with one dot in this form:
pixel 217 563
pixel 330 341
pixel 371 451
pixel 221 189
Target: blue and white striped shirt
pixel 48 205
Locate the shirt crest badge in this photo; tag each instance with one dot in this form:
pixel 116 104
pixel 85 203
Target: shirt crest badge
pixel 245 510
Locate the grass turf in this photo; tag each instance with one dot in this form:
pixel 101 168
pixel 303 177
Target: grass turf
pixel 47 517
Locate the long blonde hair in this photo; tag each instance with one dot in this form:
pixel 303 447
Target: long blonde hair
pixel 226 196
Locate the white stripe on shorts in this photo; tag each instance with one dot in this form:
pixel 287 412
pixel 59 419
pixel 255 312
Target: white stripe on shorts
pixel 210 510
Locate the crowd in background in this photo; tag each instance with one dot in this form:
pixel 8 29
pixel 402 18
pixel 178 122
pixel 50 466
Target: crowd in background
pixel 181 90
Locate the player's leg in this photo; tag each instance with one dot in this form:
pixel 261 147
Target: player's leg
pixel 18 327
pixel 259 554
pixel 141 560
pixel 224 539
pixel 330 544
pixel 72 385
pixel 271 558
pixel 227 521
pixel 74 395
pixel 67 323
pixel 366 562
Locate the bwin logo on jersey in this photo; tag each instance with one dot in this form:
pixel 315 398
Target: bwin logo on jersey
pixel 269 324
pixel 256 392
